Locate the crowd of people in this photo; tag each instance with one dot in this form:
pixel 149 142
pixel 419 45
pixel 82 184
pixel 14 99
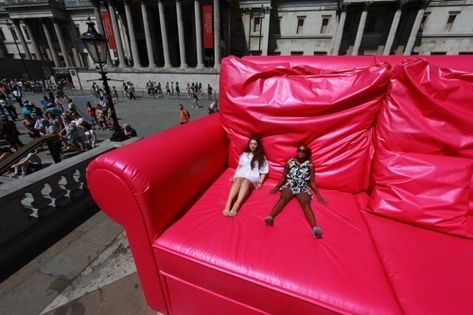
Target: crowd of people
pixel 55 114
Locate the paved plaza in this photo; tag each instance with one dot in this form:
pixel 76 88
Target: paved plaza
pixel 90 270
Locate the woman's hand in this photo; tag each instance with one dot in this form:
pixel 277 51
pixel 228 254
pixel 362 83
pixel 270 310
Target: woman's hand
pixel 259 185
pixel 274 190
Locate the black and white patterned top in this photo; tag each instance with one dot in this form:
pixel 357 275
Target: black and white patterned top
pixel 297 177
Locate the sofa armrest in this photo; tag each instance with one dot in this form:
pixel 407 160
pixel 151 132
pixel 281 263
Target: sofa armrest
pixel 147 185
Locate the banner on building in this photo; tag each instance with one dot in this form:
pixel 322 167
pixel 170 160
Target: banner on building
pixel 107 26
pixel 207 14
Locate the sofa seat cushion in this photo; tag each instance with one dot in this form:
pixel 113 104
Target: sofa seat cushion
pixel 282 268
pixel 431 272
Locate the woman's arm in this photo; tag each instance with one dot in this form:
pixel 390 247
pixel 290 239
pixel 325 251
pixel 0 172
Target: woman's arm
pixel 263 172
pixel 313 186
pixel 282 180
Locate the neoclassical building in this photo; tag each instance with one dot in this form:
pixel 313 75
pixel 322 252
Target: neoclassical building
pixel 171 39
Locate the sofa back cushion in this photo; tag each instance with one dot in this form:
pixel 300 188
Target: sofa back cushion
pixel 424 149
pixel 330 111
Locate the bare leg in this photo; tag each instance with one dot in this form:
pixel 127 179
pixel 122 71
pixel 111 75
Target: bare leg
pixel 286 196
pixel 242 193
pixel 232 194
pixel 304 200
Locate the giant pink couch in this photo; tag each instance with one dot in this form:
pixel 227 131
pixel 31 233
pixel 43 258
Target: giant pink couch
pixel 392 142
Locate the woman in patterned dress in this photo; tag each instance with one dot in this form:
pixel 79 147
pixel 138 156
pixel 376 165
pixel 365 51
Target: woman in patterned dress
pixel 297 178
pixel 251 172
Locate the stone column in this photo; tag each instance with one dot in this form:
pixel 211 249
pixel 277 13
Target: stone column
pixel 62 44
pixel 57 63
pixel 116 34
pixel 198 35
pixel 34 43
pixel 217 34
pixel 149 42
pixel 19 32
pixel 98 19
pixel 180 31
pixel 265 33
pixel 164 36
pixel 414 31
pixel 392 31
pixel 131 33
pixel 339 33
pixel 359 32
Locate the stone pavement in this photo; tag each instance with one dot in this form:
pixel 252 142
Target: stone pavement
pixel 91 271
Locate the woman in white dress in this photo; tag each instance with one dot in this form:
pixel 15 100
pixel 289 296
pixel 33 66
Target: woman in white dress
pixel 251 172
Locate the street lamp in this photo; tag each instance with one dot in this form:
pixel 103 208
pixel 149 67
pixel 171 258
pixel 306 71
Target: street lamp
pixel 96 45
pixel 12 30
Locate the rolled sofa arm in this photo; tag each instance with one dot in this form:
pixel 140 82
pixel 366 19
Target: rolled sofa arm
pixel 146 186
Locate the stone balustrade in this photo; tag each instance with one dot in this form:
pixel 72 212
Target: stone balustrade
pixel 35 206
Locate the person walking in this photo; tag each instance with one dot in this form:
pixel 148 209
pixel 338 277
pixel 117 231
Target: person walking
pixel 184 115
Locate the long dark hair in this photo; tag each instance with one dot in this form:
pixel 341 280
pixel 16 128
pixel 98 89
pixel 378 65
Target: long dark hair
pixel 258 155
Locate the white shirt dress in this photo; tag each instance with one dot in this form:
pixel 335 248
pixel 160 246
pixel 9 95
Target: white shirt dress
pixel 244 169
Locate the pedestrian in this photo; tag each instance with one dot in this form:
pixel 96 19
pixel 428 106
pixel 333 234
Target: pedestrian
pixel 114 95
pixel 178 90
pixel 195 101
pixel 184 115
pixel 129 131
pixel 209 91
pixel 131 92
pixel 10 132
pixel 10 108
pixel 18 96
pixel 31 163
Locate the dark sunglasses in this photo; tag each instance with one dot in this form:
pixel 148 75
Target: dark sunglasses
pixel 301 151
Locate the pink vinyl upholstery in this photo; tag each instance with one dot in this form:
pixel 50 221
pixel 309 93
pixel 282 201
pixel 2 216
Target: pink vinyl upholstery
pixel 391 142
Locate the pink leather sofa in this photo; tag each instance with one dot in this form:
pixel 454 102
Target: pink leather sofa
pixel 392 142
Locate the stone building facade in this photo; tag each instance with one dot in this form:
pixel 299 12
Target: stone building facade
pixel 162 38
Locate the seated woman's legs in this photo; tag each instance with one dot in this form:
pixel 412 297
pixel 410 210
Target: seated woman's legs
pixel 286 195
pixel 245 187
pixel 232 194
pixel 304 200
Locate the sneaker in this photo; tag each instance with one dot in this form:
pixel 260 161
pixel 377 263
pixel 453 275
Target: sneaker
pixel 269 220
pixel 15 175
pixel 317 232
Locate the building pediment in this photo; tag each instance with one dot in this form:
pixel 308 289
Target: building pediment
pixel 27 9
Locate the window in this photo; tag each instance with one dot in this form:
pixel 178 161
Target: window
pixel 300 24
pixel 297 53
pixel 13 34
pixel 255 53
pixel 465 53
pixel 27 35
pixel 451 18
pixel 323 28
pixel 438 53
pixel 424 21
pixel 257 25
pixel 275 53
pixel 371 24
pixel 277 30
pixel 320 53
pixel 2 36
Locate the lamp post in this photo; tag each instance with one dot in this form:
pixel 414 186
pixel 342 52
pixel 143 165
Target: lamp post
pixel 96 45
pixel 12 30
